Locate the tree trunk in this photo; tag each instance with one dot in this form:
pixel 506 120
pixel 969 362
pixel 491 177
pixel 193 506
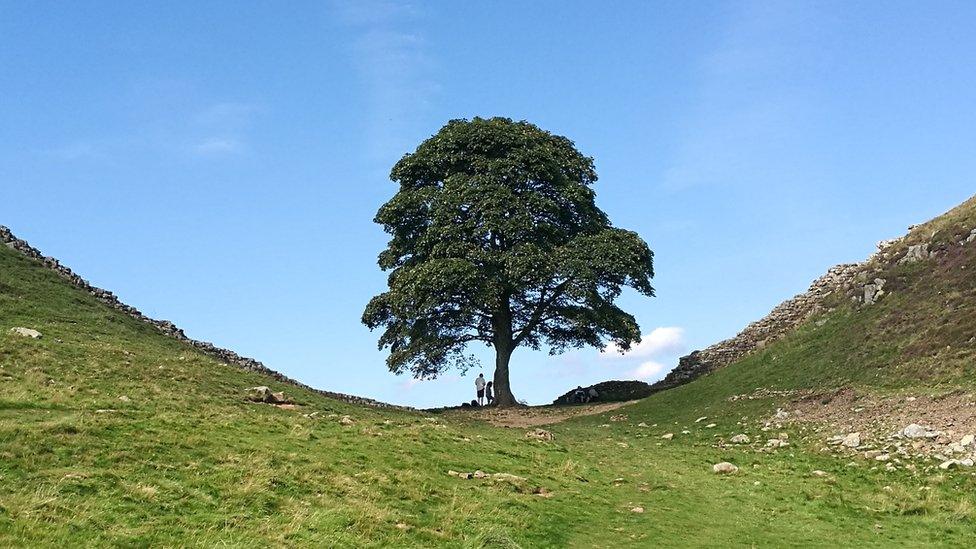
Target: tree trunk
pixel 501 387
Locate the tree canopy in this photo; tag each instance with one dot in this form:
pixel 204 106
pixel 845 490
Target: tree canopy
pixel 496 238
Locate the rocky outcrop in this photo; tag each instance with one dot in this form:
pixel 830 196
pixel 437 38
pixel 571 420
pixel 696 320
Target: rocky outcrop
pixel 166 327
pixel 916 253
pixel 612 391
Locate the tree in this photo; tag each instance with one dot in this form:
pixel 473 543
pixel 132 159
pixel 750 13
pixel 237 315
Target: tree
pixel 495 238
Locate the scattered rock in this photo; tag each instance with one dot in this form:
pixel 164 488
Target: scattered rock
pixel 346 420
pixel 740 439
pixel 539 434
pixel 915 430
pixel 701 419
pixel 505 477
pixel 967 440
pixel 667 436
pixel 724 468
pixel 916 252
pixel 26 332
pixel 637 510
pixel 852 440
pixel 265 394
pixel 124 398
pixel 819 473
pixel 710 426
pixel 874 291
pixel 950 463
pixel 781 414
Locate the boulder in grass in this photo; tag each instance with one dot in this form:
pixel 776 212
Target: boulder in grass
pixel 724 468
pixel 852 440
pixel 265 394
pixel 539 434
pixel 915 430
pixel 26 332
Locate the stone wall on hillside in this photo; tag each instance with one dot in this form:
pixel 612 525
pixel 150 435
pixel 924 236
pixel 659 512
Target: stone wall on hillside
pixel 781 320
pixel 168 328
pixel 854 280
pixel 848 278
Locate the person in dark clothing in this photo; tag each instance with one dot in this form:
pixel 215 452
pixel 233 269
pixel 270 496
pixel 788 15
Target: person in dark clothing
pixel 488 394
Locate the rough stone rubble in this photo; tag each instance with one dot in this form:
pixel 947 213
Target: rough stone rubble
pixel 166 327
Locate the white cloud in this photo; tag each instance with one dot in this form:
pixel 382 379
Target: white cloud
pixel 218 146
pixel 661 341
pixel 648 370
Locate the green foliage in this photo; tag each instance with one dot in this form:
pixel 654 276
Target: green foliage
pixel 496 238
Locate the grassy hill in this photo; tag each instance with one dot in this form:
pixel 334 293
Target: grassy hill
pixel 112 434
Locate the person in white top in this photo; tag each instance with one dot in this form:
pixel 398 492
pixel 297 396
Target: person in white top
pixel 479 384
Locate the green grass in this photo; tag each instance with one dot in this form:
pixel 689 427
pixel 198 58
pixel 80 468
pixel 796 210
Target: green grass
pixel 187 462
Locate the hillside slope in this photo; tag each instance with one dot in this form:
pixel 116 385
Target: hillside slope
pixel 113 433
pixel 909 309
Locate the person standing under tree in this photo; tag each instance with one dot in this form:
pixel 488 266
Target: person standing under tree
pixel 479 384
pixel 488 396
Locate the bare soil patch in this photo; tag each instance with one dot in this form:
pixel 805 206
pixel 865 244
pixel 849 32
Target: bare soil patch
pixel 532 416
pixel 846 411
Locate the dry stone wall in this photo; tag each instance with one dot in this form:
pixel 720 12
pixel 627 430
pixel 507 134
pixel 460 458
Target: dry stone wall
pixel 167 327
pixel 848 278
pixel 854 280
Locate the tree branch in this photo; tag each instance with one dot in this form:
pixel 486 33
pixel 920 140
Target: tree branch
pixel 540 310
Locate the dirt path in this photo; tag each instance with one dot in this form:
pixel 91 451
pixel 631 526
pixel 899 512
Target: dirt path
pixel 539 415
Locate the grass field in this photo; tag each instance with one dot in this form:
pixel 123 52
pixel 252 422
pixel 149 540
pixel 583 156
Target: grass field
pixel 184 460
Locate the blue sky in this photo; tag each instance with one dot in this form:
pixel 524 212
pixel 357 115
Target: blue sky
pixel 219 164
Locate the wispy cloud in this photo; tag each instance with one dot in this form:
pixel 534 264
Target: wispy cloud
pixel 227 115
pixel 373 12
pixel 738 136
pixel 661 341
pixel 214 130
pixel 392 57
pixel 217 146
pixel 79 150
pixel 222 127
